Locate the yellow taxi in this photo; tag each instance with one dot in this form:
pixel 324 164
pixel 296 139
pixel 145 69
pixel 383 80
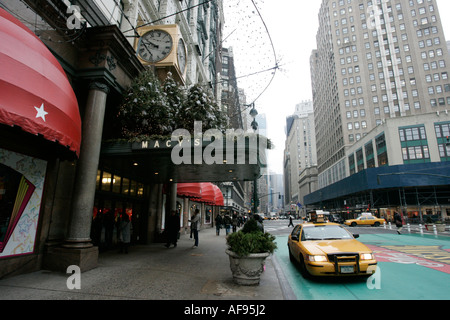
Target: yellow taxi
pixel 364 220
pixel 329 249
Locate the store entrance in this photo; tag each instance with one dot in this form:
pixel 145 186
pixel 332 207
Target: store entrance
pixel 108 213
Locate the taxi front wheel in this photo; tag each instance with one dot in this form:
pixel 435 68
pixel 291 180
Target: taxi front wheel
pixel 302 265
pixel 291 256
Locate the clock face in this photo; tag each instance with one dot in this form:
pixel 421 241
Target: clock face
pixel 155 45
pixel 181 54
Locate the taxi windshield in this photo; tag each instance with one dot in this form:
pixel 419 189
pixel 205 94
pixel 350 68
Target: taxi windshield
pixel 324 232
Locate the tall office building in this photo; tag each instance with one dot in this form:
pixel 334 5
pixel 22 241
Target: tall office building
pixel 300 150
pixel 375 60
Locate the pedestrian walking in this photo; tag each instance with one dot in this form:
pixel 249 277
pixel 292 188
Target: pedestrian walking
pixel 172 229
pixel 291 223
pixel 194 226
pixel 108 222
pixel 125 233
pixel 234 222
pixel 398 222
pixel 227 223
pixel 219 222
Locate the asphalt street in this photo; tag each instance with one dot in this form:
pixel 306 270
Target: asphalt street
pixel 411 266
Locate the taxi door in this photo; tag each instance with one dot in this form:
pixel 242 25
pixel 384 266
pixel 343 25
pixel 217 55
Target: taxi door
pixel 363 221
pixel 294 241
pixel 370 221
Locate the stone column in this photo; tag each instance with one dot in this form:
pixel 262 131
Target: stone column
pixel 78 249
pixel 173 197
pixel 84 193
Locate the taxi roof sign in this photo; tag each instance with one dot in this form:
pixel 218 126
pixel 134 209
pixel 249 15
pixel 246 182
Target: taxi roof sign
pixel 317 216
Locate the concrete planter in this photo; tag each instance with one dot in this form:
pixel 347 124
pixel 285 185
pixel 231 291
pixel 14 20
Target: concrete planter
pixel 247 270
pixel 439 227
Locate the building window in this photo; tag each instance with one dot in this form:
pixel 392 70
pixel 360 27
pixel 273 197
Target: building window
pixel 370 160
pixel 360 160
pixel 443 140
pixel 412 134
pixel 380 143
pixel 351 164
pixel 415 153
pixel 414 144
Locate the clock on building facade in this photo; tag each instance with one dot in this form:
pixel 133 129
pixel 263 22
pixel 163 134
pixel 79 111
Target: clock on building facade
pixel 163 47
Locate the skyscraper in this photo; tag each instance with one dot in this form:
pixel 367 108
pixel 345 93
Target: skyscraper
pixel 374 60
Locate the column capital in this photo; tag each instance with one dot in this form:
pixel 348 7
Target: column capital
pixel 98 85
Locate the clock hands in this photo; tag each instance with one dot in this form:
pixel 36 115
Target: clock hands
pixel 156 45
pixel 151 43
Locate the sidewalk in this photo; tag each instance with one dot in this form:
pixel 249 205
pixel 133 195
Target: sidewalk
pixel 156 273
pixel 415 228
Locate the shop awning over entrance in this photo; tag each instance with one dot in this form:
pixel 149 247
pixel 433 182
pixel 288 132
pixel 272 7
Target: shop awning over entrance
pixel 152 161
pixel 189 190
pixel 208 194
pixel 202 192
pixel 35 93
pixel 219 196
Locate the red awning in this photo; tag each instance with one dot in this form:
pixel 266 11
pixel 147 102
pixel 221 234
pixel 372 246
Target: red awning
pixel 35 93
pixel 219 196
pixel 202 192
pixel 208 194
pixel 189 190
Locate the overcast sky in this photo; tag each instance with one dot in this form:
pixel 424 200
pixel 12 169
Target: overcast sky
pixel 292 26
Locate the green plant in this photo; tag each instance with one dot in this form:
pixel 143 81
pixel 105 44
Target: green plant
pixel 250 226
pixel 251 240
pixel 151 108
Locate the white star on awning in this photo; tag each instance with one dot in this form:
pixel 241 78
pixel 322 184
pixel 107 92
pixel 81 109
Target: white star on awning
pixel 41 113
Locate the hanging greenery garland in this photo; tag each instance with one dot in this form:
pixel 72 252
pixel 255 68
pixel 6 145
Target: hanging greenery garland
pixel 153 109
pixel 144 111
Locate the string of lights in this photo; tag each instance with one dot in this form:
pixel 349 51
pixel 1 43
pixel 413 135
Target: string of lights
pixel 253 48
pixel 170 15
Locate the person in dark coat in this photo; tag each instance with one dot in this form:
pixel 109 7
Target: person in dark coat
pixel 219 222
pixel 125 232
pixel 398 222
pixel 291 222
pixel 172 229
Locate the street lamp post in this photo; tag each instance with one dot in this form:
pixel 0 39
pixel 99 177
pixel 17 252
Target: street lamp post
pixel 254 124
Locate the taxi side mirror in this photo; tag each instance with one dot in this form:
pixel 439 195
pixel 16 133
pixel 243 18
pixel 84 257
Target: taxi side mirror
pixel 294 237
pixel 355 235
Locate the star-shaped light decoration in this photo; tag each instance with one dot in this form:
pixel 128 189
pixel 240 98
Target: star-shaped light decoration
pixel 41 113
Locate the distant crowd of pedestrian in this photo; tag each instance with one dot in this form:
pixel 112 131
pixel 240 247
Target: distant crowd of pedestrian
pixel 230 223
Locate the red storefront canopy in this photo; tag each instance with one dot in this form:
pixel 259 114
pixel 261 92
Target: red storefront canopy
pixel 202 192
pixel 35 93
pixel 189 190
pixel 219 196
pixel 208 194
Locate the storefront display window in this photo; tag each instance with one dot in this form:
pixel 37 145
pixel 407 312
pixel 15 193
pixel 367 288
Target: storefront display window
pixel 106 181
pixel 125 186
pixel 21 186
pixel 116 184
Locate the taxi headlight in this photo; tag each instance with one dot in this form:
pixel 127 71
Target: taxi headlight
pixel 366 256
pixel 317 258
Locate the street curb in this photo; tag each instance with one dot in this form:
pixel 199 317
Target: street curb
pixel 288 293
